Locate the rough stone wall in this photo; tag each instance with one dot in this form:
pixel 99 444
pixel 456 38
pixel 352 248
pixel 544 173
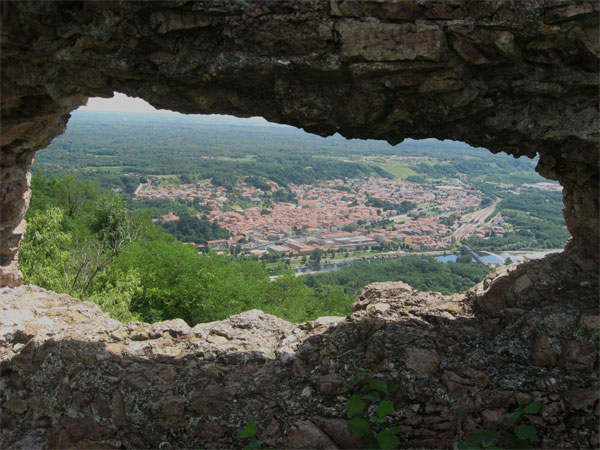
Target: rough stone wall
pixel 70 377
pixel 514 76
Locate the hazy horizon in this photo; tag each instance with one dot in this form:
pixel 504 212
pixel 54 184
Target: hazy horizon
pixel 121 103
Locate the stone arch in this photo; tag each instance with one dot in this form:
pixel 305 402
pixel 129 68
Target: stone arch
pixel 516 77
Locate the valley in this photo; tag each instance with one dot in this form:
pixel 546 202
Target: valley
pixel 211 219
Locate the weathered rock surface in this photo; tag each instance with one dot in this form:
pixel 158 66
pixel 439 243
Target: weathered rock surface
pixel 518 77
pixel 71 377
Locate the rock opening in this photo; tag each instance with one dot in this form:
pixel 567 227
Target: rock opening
pixel 520 78
pixel 514 77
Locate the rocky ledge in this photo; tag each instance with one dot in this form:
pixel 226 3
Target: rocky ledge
pixel 71 377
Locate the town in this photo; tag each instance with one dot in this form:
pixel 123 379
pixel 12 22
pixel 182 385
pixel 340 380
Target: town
pixel 340 215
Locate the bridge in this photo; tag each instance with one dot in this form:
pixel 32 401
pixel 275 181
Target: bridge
pixel 475 256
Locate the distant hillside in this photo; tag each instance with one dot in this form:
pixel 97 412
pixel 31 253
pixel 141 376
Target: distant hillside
pixel 101 146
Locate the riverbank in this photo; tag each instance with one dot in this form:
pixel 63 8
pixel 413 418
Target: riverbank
pixel 489 257
pixel 518 256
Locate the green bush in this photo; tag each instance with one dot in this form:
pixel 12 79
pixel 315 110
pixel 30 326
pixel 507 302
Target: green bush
pixel 372 425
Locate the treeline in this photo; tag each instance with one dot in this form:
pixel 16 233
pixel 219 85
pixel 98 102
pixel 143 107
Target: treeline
pixel 497 169
pixel 226 173
pixel 192 229
pixel 161 206
pixel 402 207
pixel 537 219
pixel 422 273
pixel 282 170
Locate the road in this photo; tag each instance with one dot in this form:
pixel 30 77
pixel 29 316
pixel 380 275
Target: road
pixel 473 220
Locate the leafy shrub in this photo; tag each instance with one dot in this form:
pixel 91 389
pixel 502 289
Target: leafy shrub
pixel 524 435
pixel 369 411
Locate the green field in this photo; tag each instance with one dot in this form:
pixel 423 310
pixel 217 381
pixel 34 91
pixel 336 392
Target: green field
pixel 113 168
pixel 247 158
pixel 399 171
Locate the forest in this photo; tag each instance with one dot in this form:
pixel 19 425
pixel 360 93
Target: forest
pixel 83 240
pixel 537 220
pixel 192 229
pixel 423 273
pixel 104 147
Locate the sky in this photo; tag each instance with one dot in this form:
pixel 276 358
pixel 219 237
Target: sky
pixel 122 103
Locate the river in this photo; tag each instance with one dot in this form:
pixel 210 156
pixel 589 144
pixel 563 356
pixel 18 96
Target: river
pixel 488 257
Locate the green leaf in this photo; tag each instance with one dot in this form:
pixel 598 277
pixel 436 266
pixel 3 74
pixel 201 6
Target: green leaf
pixel 381 421
pixel 525 432
pixel 359 426
pixel 385 408
pixel 533 408
pixel 248 431
pixel 515 443
pixel 355 405
pixel 387 440
pixel 468 445
pixel 254 444
pixel 372 397
pixel 396 430
pixel 488 436
pixel 363 370
pixel 393 386
pixel 513 417
pixel 369 443
pixel 377 385
pixel 351 383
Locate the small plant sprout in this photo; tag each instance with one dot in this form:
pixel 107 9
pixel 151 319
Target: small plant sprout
pixel 481 439
pixel 249 432
pixel 524 435
pixel 369 412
